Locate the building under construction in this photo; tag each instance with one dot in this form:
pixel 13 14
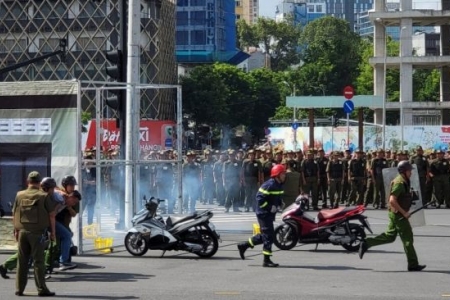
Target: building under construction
pixel 30 29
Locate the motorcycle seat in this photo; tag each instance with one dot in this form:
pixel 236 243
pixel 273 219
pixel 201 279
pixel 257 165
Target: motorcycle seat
pixel 171 220
pixel 332 213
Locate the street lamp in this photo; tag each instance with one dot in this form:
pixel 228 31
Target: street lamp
pixel 402 118
pixel 383 126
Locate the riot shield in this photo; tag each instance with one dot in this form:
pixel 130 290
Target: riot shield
pixel 418 219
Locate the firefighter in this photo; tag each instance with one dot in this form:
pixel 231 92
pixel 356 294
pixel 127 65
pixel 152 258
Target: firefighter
pixel 268 202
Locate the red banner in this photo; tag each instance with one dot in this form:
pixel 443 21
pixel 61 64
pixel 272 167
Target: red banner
pixel 153 135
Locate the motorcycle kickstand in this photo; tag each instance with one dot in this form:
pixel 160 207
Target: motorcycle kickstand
pixel 317 245
pixel 164 252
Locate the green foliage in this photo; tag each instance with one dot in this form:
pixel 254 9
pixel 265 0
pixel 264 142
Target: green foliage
pixel 85 118
pixel 279 39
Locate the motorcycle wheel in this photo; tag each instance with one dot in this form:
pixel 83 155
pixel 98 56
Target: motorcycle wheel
pixel 210 244
pixel 286 236
pixel 136 246
pixel 360 235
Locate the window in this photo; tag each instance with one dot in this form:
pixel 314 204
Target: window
pixel 182 37
pixel 319 8
pixel 198 17
pixel 238 3
pixel 89 9
pixel 198 37
pixel 49 45
pixel 182 18
pixel 90 44
pixel 311 8
pixel 238 17
pixel 182 2
pixel 13 46
pixel 198 2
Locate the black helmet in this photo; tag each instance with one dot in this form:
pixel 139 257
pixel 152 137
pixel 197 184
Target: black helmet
pixel 48 183
pixel 68 180
pixel 404 166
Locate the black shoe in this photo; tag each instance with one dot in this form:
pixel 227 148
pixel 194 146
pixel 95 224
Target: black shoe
pixel 3 272
pixel 46 294
pixel 362 249
pixel 18 293
pixel 242 247
pixel 324 206
pixel 268 263
pixel 417 268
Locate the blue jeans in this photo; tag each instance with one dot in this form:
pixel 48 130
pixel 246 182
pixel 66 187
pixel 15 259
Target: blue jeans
pixel 65 237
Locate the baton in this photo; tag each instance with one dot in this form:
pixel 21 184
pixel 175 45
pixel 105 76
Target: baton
pixel 420 208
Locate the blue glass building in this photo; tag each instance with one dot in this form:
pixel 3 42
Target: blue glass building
pixel 302 12
pixel 206 32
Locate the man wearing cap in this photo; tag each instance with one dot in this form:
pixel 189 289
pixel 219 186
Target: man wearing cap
pixel 388 157
pixel 368 194
pixel 231 181
pixel 376 170
pixel 207 178
pixel 299 157
pixel 346 185
pixel 423 168
pixel 33 213
pixel 400 155
pixel 268 164
pixel 439 172
pixel 218 178
pixel 322 163
pixel 357 174
pixel 335 176
pixel 251 176
pixel 310 175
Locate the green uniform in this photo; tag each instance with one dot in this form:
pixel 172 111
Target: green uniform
pixel 231 173
pixel 377 166
pixel 422 169
pixel 335 171
pixel 357 176
pixel 220 190
pixel 440 169
pixel 31 218
pixel 291 187
pixel 368 196
pixel 251 170
pixel 400 188
pixel 346 187
pixel 322 163
pixel 310 174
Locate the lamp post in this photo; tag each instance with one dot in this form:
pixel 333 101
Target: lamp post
pixel 383 124
pixel 402 118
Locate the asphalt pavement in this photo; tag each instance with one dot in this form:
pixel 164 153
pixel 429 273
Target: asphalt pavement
pixel 328 273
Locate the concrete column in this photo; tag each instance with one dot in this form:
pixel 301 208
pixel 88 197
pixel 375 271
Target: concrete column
pixel 379 5
pixel 378 75
pixel 445 71
pixel 405 5
pixel 406 70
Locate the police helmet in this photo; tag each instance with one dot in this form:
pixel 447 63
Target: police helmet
pixel 404 166
pixel 68 180
pixel 48 183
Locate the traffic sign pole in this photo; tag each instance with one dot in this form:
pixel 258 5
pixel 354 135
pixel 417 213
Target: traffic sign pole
pixel 348 130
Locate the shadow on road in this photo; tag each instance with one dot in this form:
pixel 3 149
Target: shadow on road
pixel 322 268
pixel 99 277
pixel 424 271
pixel 96 297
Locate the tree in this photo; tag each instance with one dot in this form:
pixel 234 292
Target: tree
pixel 426 85
pixel 334 51
pixel 279 39
pixel 205 96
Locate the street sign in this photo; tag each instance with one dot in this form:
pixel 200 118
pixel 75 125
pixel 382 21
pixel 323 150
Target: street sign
pixel 349 107
pixel 295 126
pixel 348 92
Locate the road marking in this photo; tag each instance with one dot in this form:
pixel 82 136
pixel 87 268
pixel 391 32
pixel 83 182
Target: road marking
pixel 446 295
pixel 227 293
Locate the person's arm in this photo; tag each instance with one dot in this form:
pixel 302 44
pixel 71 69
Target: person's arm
pixel 397 208
pixel 52 216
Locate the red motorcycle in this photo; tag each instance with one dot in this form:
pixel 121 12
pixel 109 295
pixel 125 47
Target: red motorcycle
pixel 329 226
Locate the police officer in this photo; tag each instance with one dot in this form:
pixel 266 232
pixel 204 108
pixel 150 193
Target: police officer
pixel 388 157
pixel 269 201
pixel 368 194
pixel 310 175
pixel 346 185
pixel 400 156
pixel 335 176
pixel 357 174
pixel 439 172
pixel 267 164
pixel 399 204
pixel 291 186
pixel 191 182
pixel 422 168
pixel 231 174
pixel 207 178
pixel 251 176
pixel 376 170
pixel 322 163
pixel 33 213
pixel 163 183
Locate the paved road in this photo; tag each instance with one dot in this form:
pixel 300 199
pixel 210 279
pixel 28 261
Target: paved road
pixel 328 273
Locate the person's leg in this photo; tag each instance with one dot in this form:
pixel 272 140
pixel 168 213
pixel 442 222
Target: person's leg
pixel 65 237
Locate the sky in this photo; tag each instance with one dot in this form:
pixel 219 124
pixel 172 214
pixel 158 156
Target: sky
pixel 267 7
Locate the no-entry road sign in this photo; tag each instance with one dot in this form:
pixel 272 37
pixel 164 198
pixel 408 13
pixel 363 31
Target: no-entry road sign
pixel 348 92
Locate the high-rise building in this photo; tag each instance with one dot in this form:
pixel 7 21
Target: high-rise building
pixel 29 29
pixel 206 32
pixel 348 9
pixel 300 11
pixel 247 10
